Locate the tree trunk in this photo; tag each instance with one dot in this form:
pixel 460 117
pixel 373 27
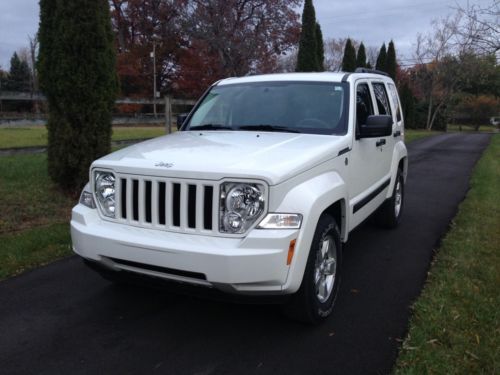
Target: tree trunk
pixel 435 114
pixel 428 125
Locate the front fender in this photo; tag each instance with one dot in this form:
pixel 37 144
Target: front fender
pixel 310 198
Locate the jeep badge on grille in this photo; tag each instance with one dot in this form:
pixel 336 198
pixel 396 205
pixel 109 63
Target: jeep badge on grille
pixel 163 164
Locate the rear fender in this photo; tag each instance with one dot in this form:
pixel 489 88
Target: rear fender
pixel 399 153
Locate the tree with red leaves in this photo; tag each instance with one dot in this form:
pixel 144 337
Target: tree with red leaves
pixel 200 41
pixel 137 25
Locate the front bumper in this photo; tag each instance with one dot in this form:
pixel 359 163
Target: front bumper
pixel 255 264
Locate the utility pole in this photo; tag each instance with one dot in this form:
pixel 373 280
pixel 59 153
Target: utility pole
pixel 153 55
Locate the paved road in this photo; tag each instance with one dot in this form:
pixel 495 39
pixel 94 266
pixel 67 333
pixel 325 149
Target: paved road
pixel 63 319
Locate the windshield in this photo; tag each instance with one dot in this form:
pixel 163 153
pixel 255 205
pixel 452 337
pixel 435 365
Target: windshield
pixel 301 107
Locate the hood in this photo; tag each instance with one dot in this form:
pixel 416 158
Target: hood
pixel 213 155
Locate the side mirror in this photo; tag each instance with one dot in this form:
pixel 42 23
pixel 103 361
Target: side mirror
pixel 181 118
pixel 376 126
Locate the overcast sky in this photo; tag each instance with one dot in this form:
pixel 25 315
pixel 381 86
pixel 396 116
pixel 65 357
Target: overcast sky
pixel 372 22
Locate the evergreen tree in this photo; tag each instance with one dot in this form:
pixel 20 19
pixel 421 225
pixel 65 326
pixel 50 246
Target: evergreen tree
pixel 349 59
pixel 361 57
pixel 391 64
pixel 77 73
pixel 307 59
pixel 381 59
pixel 3 78
pixel 45 51
pixel 19 77
pixel 320 48
pixel 408 105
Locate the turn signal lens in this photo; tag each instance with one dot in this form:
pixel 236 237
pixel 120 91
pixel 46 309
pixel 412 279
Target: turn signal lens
pixel 291 251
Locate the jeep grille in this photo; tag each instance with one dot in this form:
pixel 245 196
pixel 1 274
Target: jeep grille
pixel 165 203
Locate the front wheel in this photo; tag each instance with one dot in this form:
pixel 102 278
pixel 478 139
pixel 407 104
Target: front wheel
pixel 315 298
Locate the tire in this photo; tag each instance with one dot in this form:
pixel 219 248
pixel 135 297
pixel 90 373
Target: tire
pixel 314 300
pixel 389 214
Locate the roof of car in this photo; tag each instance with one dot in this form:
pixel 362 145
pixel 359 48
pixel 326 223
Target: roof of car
pixel 306 77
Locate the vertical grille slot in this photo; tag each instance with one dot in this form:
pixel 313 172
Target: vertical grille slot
pixel 147 196
pixel 161 202
pixel 135 200
pixel 192 206
pixel 123 198
pixel 176 205
pixel 208 207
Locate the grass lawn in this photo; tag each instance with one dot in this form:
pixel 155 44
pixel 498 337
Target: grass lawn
pixel 29 199
pixel 455 325
pixel 414 134
pixel 32 248
pixel 34 215
pixel 37 135
pixel 469 128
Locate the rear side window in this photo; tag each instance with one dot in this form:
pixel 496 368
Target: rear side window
pixel 364 107
pixel 395 100
pixel 382 100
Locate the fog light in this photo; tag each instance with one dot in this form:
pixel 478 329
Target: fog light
pixel 233 221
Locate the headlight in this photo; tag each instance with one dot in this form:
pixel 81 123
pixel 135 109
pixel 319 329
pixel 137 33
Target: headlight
pixel 86 197
pixel 105 192
pixel 281 221
pixel 241 205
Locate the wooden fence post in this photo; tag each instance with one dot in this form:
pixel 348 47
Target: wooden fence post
pixel 168 114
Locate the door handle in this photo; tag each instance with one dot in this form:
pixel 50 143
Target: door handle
pixel 397 133
pixel 380 142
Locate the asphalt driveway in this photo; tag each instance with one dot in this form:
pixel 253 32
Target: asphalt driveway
pixel 64 319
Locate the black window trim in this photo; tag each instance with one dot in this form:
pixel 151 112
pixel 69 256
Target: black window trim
pixel 358 82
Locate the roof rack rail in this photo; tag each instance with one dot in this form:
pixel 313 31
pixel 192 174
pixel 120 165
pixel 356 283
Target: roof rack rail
pixel 373 71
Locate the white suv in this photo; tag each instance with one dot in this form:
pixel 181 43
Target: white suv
pixel 257 191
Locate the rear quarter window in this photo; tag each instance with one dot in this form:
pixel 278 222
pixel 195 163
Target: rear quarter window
pixel 395 100
pixel 382 99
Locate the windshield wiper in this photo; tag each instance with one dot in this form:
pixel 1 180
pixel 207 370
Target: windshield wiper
pixel 269 128
pixel 211 127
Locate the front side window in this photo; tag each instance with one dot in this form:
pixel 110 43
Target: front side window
pixel 364 106
pixel 382 100
pixel 301 107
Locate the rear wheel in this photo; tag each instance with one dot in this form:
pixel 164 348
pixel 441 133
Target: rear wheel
pixel 315 298
pixel 389 214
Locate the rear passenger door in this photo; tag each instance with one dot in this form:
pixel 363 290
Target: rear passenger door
pixel 386 144
pixel 370 159
pixel 364 160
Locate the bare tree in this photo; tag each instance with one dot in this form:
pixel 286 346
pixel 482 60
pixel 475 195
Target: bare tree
pixel 334 52
pixel 479 29
pixel 441 54
pixel 433 54
pixel 287 63
pixel 371 55
pixel 33 53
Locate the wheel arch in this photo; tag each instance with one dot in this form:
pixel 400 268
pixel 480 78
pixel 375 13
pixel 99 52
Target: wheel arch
pixel 325 193
pixel 399 160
